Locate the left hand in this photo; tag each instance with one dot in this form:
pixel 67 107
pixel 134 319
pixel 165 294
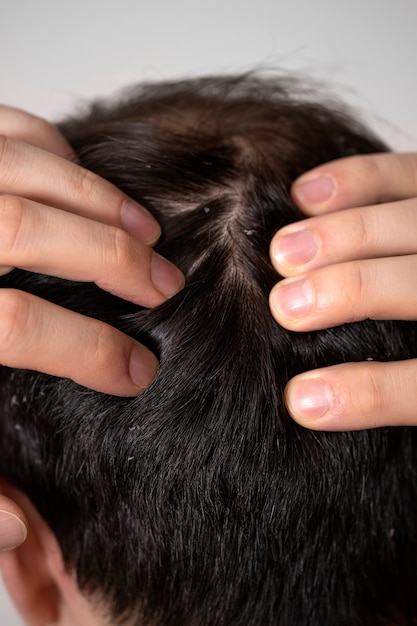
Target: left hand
pixel 355 259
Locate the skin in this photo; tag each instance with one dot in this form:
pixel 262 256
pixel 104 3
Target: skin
pixel 42 589
pixel 355 258
pixel 362 263
pixel 108 240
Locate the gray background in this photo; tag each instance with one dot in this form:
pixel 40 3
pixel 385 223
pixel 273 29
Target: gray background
pixel 54 54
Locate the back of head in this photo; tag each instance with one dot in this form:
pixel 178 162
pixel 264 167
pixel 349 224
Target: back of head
pixel 201 503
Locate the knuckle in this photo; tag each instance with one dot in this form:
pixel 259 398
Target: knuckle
pixel 37 125
pixel 375 399
pixel 103 349
pixel 86 183
pixel 360 170
pixel 12 214
pixel 362 229
pixel 4 149
pixel 14 319
pixel 125 264
pixel 124 251
pixel 409 162
pixel 357 290
pixel 368 167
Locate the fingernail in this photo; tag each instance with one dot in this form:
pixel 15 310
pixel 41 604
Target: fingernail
pixel 294 299
pixel 309 398
pixel 296 248
pixel 165 276
pixel 143 366
pixel 139 222
pixel 13 531
pixel 315 191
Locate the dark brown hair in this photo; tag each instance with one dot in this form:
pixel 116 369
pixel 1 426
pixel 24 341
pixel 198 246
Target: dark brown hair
pixel 201 503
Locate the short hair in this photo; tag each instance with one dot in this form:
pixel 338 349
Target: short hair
pixel 201 502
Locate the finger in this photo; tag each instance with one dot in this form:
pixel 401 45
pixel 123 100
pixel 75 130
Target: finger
pixel 357 181
pixel 73 247
pixel 353 234
pixel 34 130
pixel 38 335
pixel 39 175
pixel 13 524
pixel 353 396
pixel 348 292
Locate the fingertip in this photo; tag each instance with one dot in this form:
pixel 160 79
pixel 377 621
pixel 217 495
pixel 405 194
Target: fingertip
pixel 308 401
pixel 137 221
pixel 13 530
pixel 292 250
pixel 34 130
pixel 314 191
pixel 143 367
pixel 166 277
pixel 344 397
pixel 291 301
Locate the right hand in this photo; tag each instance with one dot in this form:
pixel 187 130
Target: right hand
pixel 42 196
pixel 60 219
pixel 57 218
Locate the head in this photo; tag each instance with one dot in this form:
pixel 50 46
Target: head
pixel 200 502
